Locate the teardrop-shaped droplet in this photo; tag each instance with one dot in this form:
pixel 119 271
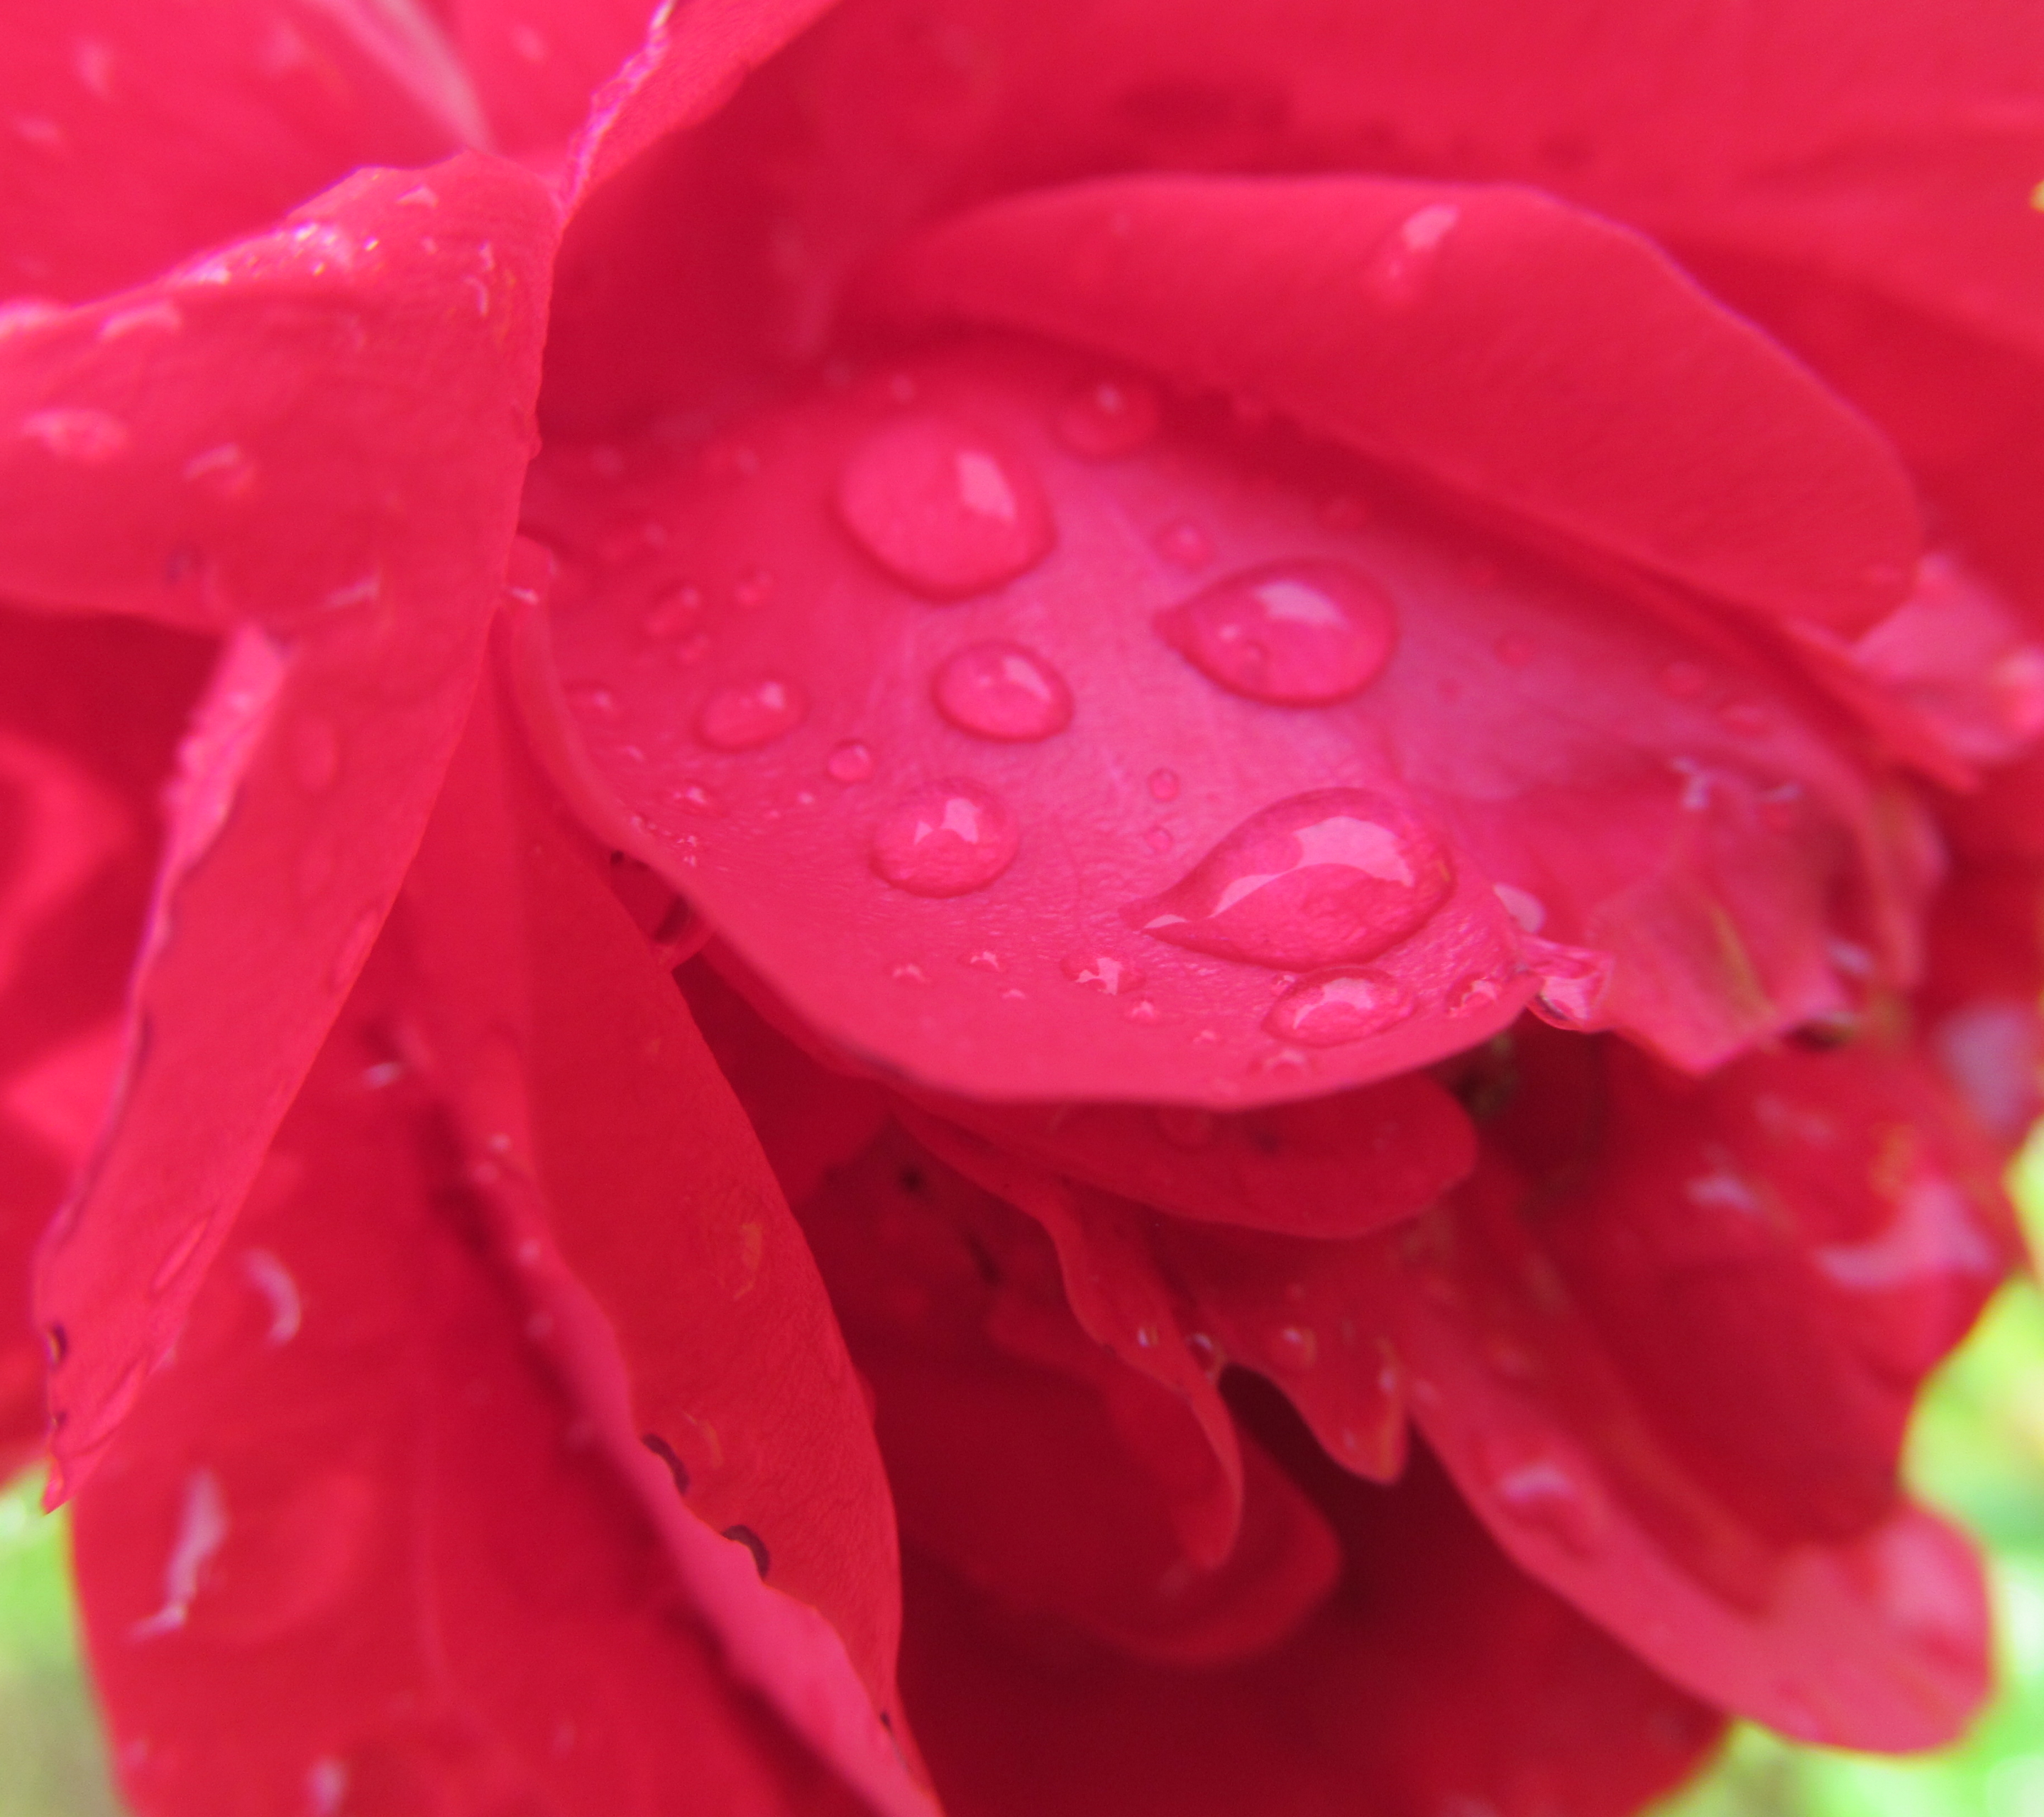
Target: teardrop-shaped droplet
pixel 1327 878
pixel 947 839
pixel 1573 982
pixel 1331 1008
pixel 1401 268
pixel 999 689
pixel 1292 634
pixel 749 714
pixel 1106 417
pixel 942 509
pixel 851 762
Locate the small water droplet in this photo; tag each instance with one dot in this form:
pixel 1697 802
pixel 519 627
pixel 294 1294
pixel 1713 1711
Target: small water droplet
pixel 985 960
pixel 1473 995
pixel 946 839
pixel 1399 269
pixel 1339 874
pixel 1159 839
pixel 1001 691
pixel 315 754
pixel 1143 1011
pixel 1294 1347
pixel 1573 982
pixel 908 972
pixel 1163 784
pixel 850 762
pixel 1683 681
pixel 1535 1486
pixel 1206 1354
pixel 694 798
pixel 1106 417
pixel 674 613
pixel 942 509
pixel 1184 544
pixel 1526 909
pixel 1331 1008
pixel 748 714
pixel 1102 972
pixel 593 700
pixel 1291 633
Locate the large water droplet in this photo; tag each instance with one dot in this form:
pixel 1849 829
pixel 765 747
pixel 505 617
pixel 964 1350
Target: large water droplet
pixel 946 839
pixel 942 509
pixel 1327 878
pixel 999 689
pixel 1331 1008
pixel 1106 417
pixel 1573 982
pixel 749 714
pixel 1293 633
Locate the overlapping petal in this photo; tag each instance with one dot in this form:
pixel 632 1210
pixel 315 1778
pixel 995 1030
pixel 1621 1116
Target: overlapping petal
pixel 360 558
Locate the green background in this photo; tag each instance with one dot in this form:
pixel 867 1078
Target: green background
pixel 1976 1448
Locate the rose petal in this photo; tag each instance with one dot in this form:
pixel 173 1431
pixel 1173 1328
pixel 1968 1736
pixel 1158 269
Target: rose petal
pixel 139 135
pixel 1081 942
pixel 317 754
pixel 593 1112
pixel 363 1504
pixel 1437 1677
pixel 536 63
pixel 1538 359
pixel 1650 1421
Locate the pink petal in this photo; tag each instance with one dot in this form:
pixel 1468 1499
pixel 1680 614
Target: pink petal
pixel 316 759
pixel 364 1504
pixel 134 136
pixel 596 1120
pixel 1602 796
pixel 1543 360
pixel 536 63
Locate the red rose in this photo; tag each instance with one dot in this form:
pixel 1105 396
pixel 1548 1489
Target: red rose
pixel 1330 718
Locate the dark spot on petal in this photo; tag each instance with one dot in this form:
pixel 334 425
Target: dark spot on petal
pixel 665 1452
pixel 752 1543
pixel 59 1340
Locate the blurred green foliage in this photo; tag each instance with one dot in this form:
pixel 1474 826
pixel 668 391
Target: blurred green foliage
pixel 1977 1449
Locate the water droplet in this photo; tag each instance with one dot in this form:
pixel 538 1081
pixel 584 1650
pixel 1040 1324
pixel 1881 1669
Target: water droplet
pixel 1294 1347
pixel 1292 634
pixel 1184 544
pixel 999 689
pixel 674 613
pixel 1163 784
pixel 1534 1485
pixel 591 699
pixel 1330 1008
pixel 946 839
pixel 1573 981
pixel 1102 972
pixel 1106 417
pixel 1143 1011
pixel 1473 995
pixel 1339 874
pixel 1526 909
pixel 1159 839
pixel 1206 1354
pixel 1513 650
pixel 749 714
pixel 908 972
pixel 942 510
pixel 315 754
pixel 694 798
pixel 850 762
pixel 1683 681
pixel 985 960
pixel 89 438
pixel 1399 270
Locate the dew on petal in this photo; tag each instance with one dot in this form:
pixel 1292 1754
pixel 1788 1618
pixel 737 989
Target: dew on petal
pixel 947 839
pixel 1294 1347
pixel 87 437
pixel 749 714
pixel 1106 417
pixel 1331 1008
pixel 1102 972
pixel 1573 982
pixel 1540 1490
pixel 1160 839
pixel 1163 784
pixel 1292 634
pixel 1184 544
pixel 1526 909
pixel 851 762
pixel 1336 876
pixel 673 614
pixel 943 511
pixel 1400 270
pixel 1000 691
